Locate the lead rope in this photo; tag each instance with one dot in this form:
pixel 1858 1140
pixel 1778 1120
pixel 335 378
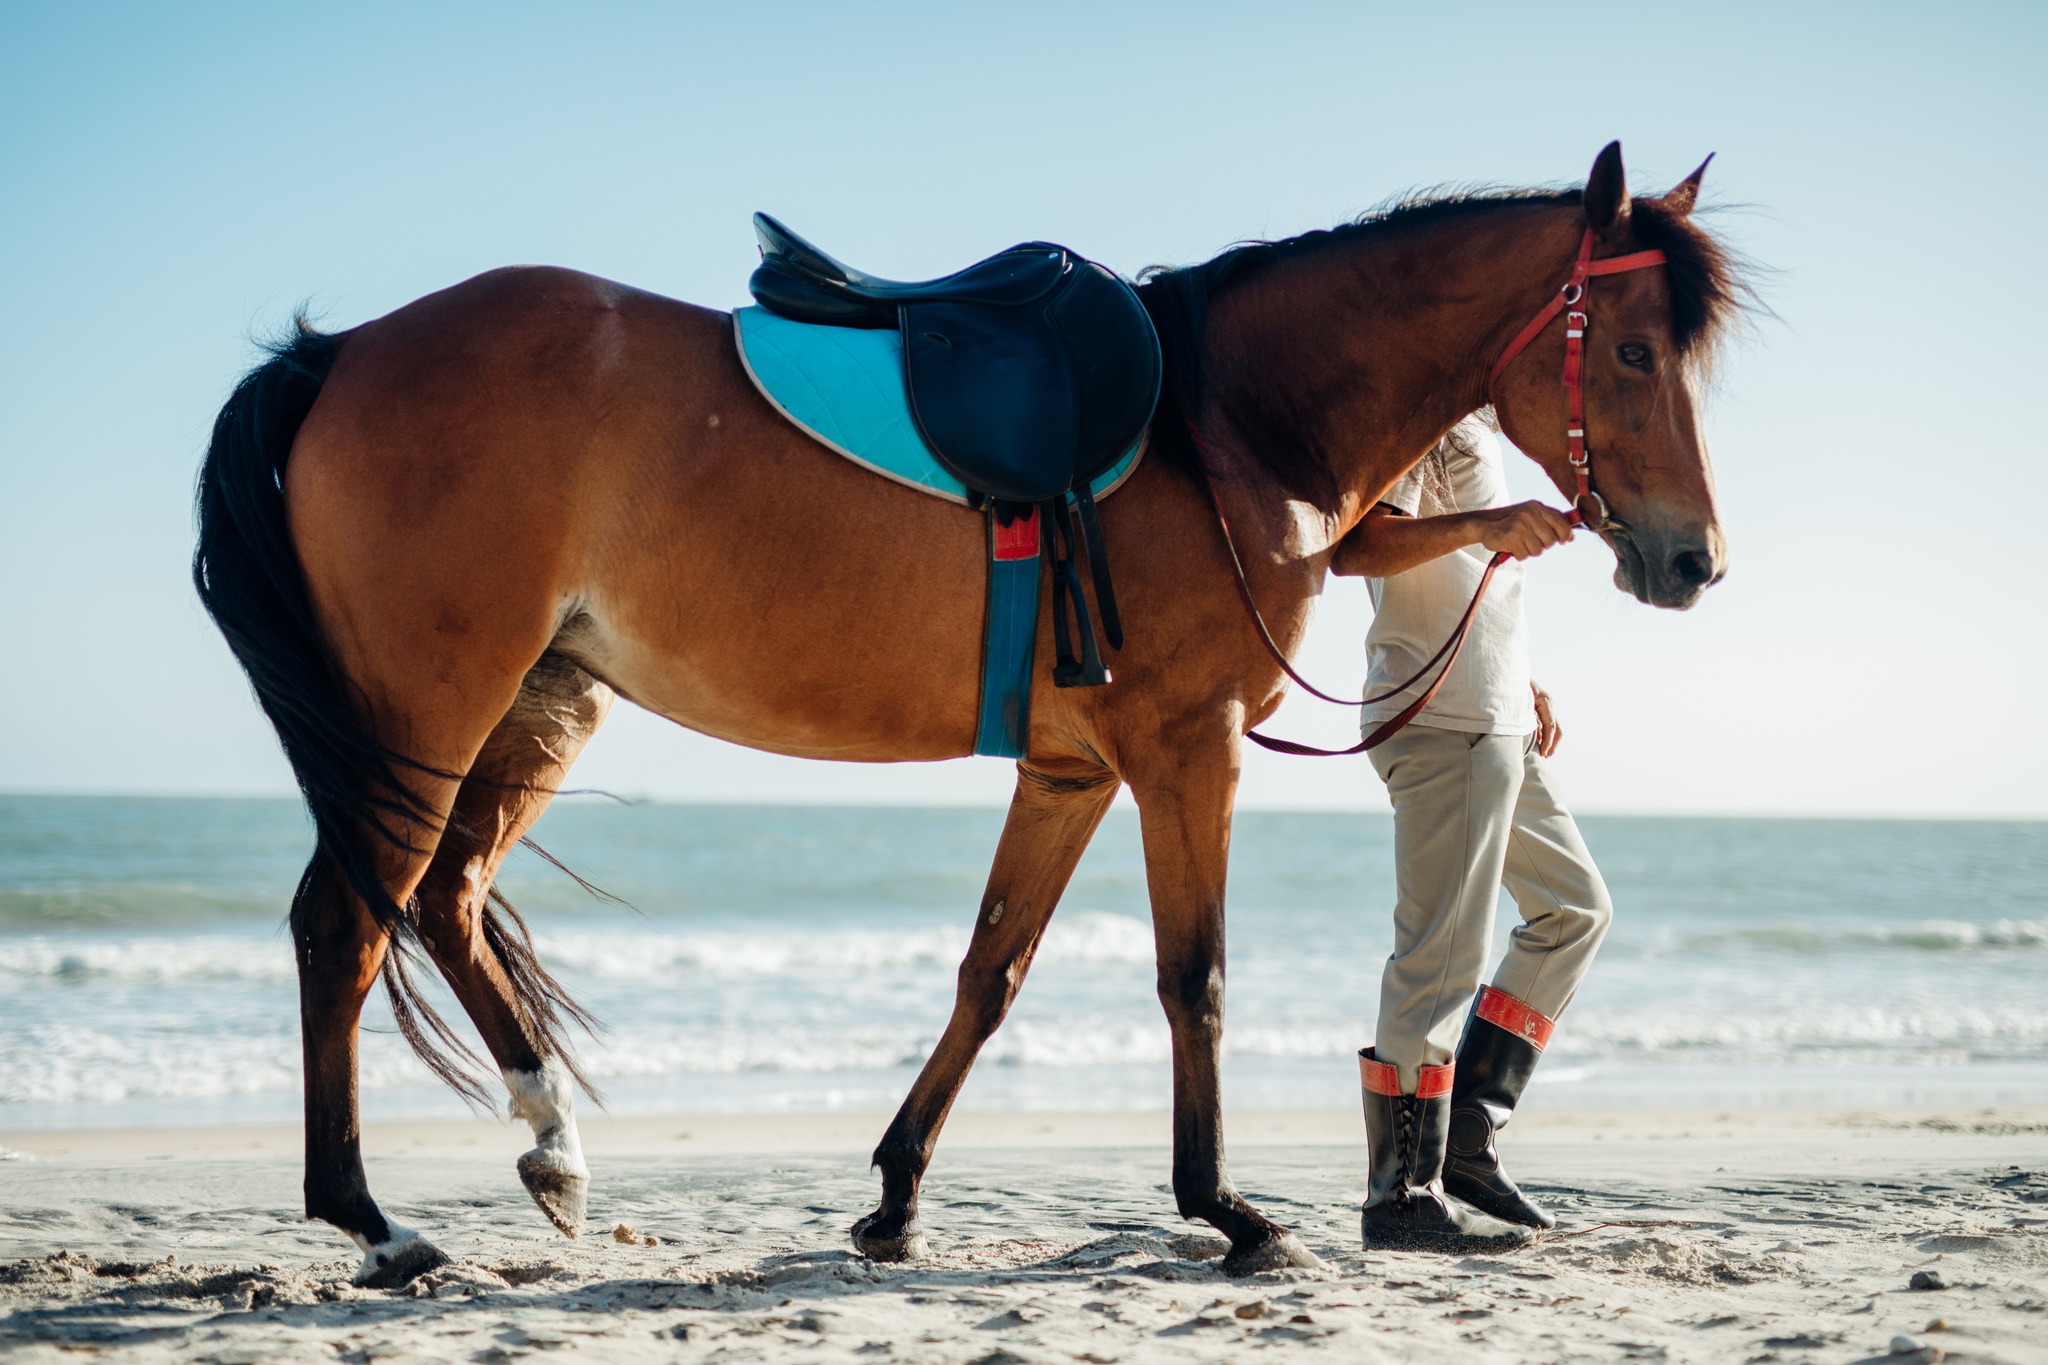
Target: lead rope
pixel 1571 297
pixel 1448 654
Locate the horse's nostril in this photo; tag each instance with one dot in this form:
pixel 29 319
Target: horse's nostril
pixel 1694 568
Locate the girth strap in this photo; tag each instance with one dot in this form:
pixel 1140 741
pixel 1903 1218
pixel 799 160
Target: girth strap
pixel 1010 636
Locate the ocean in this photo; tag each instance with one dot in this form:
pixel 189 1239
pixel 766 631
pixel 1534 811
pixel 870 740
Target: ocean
pixel 791 958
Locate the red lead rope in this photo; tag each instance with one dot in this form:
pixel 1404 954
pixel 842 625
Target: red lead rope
pixel 1572 297
pixel 1448 654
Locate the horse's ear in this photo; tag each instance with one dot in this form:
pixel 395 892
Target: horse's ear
pixel 1681 197
pixel 1607 193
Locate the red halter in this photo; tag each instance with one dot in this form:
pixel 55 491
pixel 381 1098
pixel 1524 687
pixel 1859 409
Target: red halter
pixel 1573 298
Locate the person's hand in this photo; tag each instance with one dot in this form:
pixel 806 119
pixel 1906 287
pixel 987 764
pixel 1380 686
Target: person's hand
pixel 1524 530
pixel 1548 731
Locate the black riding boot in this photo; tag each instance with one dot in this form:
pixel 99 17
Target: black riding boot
pixel 1406 1208
pixel 1502 1045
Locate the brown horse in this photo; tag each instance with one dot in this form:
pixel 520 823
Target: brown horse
pixel 442 542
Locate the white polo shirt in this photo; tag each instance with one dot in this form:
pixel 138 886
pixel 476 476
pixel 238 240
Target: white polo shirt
pixel 1487 691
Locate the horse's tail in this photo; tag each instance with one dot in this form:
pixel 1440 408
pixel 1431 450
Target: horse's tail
pixel 248 577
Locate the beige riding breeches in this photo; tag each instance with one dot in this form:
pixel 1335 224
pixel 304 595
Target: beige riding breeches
pixel 1471 813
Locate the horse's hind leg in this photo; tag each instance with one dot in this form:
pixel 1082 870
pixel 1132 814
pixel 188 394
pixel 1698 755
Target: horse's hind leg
pixel 1050 822
pixel 485 955
pixel 340 949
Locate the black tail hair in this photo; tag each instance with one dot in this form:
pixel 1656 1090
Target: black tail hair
pixel 247 574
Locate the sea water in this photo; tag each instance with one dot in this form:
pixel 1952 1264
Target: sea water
pixel 770 959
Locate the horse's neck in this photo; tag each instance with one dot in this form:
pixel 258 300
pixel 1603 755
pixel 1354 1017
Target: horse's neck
pixel 1380 344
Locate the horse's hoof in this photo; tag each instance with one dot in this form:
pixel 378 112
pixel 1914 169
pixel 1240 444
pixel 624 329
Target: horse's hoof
pixel 1283 1251
pixel 906 1245
pixel 398 1266
pixel 558 1192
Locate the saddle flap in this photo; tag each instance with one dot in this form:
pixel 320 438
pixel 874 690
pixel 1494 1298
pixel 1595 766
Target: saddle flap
pixel 1026 403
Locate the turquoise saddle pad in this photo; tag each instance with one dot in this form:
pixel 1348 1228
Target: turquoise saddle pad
pixel 844 386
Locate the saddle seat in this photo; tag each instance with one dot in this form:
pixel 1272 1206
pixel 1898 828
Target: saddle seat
pixel 801 282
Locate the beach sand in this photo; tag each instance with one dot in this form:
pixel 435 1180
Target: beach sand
pixel 1767 1236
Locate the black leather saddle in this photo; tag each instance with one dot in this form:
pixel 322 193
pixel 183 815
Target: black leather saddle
pixel 1029 374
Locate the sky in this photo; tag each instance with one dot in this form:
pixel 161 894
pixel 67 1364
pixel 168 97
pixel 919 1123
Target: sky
pixel 174 180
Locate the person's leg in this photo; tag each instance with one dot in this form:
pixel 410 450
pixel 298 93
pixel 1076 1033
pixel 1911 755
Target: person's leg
pixel 1453 796
pixel 1565 913
pixel 1563 900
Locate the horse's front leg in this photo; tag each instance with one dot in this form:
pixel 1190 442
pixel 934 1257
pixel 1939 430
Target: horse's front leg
pixel 1185 814
pixel 1052 817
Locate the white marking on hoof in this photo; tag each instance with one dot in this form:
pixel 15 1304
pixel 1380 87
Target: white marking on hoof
pixel 553 1172
pixel 397 1260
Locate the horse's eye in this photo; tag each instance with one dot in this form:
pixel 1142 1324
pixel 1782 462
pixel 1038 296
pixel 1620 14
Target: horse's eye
pixel 1635 355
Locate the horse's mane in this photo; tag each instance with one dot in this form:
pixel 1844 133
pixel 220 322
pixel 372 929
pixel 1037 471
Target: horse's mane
pixel 1707 281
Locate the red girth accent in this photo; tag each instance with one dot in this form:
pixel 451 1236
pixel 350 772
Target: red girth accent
pixel 1573 297
pixel 1018 540
pixel 1502 1010
pixel 1381 1078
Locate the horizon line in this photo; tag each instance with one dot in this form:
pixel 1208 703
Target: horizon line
pixel 1124 802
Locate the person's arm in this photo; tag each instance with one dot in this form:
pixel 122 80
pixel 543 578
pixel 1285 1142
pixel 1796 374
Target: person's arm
pixel 1389 541
pixel 1549 734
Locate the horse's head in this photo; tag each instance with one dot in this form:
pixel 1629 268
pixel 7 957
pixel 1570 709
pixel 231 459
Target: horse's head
pixel 1648 336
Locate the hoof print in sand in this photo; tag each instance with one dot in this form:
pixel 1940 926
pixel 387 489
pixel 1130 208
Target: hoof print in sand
pixel 559 1193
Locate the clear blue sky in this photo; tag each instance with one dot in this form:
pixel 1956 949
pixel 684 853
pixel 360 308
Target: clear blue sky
pixel 174 178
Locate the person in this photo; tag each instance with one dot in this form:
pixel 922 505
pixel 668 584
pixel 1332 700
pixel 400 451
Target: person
pixel 1474 807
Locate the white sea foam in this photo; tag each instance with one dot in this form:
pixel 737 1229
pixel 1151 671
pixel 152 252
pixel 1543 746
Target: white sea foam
pixel 1952 935
pixel 150 959
pixel 72 1062
pixel 1084 936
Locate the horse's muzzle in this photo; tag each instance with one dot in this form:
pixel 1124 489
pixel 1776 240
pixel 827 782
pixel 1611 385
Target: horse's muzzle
pixel 1663 569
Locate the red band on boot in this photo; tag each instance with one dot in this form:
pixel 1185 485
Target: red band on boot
pixel 1378 1078
pixel 1381 1078
pixel 1502 1010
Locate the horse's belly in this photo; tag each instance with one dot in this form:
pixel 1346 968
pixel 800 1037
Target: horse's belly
pixel 787 600
pixel 790 690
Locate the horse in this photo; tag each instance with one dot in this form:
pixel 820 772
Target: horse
pixel 442 542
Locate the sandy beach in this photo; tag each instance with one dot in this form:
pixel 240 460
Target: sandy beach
pixel 1684 1237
